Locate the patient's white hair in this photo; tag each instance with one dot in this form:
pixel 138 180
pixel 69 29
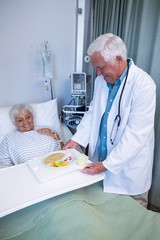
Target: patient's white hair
pixel 20 108
pixel 110 46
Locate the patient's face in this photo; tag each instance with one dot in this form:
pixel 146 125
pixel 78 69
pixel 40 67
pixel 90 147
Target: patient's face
pixel 24 121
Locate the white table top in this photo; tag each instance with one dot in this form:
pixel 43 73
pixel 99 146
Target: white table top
pixel 20 188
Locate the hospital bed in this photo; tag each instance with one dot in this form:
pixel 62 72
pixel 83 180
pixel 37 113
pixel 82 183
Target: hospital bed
pixel 71 206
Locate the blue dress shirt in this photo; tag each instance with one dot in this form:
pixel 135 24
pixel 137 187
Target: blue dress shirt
pixel 113 89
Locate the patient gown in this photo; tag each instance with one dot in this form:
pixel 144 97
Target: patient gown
pixel 18 147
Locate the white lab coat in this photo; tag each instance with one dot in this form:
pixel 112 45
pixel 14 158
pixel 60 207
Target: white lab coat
pixel 130 158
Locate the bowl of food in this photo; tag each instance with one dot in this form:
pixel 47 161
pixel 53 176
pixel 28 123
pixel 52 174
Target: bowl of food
pixel 58 160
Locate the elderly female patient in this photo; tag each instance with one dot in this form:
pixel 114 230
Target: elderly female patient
pixel 27 141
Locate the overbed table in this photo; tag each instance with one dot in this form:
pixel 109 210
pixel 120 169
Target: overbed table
pixel 20 187
pixel 72 206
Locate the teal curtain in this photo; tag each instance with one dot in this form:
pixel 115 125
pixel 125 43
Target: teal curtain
pixel 148 58
pixel 120 17
pixel 137 22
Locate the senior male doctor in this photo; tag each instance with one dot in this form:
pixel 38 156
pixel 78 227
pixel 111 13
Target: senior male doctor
pixel 119 125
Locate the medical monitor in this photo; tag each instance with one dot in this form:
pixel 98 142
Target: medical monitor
pixel 78 83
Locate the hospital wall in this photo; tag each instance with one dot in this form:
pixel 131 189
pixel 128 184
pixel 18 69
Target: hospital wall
pixel 24 26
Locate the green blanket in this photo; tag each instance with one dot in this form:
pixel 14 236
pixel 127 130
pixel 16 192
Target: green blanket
pixel 83 214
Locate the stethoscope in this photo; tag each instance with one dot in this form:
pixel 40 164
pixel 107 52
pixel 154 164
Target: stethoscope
pixel 117 120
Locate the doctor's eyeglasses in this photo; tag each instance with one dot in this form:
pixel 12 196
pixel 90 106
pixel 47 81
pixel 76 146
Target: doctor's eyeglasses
pixel 114 129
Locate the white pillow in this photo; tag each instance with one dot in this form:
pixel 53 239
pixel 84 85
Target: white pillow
pixel 46 114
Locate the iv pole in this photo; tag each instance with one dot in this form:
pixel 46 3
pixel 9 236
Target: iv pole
pixel 46 55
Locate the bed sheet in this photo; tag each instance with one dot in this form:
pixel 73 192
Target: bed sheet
pixel 83 214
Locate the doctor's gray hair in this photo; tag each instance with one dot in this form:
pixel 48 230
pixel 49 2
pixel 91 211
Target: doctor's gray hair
pixel 109 46
pixel 20 108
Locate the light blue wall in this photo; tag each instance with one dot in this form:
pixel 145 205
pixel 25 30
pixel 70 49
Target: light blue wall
pixel 24 25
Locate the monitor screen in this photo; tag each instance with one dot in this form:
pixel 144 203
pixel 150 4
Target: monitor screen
pixel 78 83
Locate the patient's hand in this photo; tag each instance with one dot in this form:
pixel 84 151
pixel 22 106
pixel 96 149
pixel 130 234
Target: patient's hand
pixel 70 144
pixel 48 132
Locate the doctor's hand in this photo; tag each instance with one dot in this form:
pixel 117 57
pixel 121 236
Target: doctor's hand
pixel 70 144
pixel 94 168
